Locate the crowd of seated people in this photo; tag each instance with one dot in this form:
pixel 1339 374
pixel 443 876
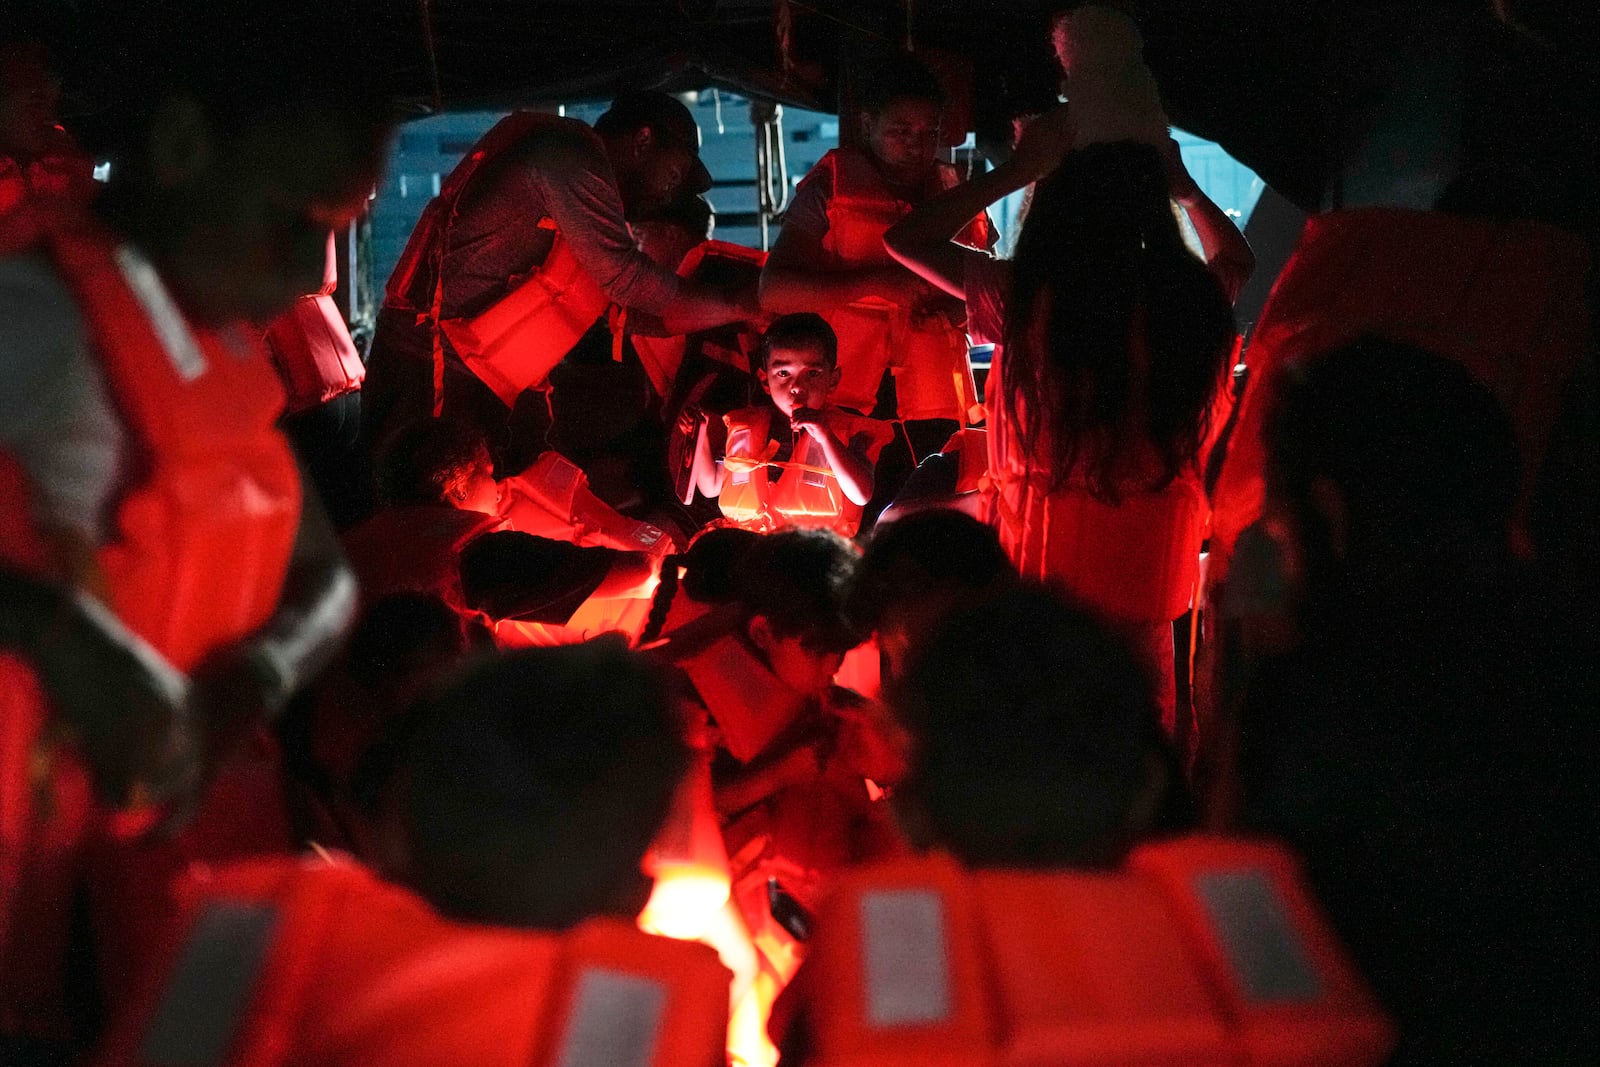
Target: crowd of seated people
pixel 696 668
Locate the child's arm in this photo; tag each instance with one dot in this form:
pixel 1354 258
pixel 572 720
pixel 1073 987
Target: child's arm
pixel 708 476
pixel 849 462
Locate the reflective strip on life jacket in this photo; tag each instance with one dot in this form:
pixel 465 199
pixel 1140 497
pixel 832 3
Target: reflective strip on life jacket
pixel 1199 951
pixel 283 961
pixel 903 955
pixel 205 1000
pixel 615 1021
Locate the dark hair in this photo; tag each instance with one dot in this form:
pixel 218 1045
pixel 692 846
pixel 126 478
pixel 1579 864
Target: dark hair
pixel 898 76
pixel 802 329
pixel 710 566
pixel 1421 452
pixel 924 553
pixel 1135 332
pixel 537 782
pixel 665 114
pixel 1034 733
pixel 798 581
pixel 423 462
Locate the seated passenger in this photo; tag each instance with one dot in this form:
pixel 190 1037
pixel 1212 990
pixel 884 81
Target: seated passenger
pixel 918 571
pixel 449 529
pixel 1426 742
pixel 792 755
pixel 499 926
pixel 798 461
pixel 1047 923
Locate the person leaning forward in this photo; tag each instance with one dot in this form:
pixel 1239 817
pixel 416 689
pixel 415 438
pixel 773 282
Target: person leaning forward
pixel 525 247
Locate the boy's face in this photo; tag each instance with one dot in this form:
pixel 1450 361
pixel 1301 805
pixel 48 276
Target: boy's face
pixel 798 378
pixel 904 137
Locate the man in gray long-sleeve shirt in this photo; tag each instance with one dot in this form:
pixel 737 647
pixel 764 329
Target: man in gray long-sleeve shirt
pixel 498 216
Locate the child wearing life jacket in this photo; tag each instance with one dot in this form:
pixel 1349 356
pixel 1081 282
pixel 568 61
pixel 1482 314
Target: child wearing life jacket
pixel 800 461
pixel 1054 915
pixel 796 761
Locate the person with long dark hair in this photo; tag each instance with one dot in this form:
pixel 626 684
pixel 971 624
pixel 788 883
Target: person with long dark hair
pixel 1114 340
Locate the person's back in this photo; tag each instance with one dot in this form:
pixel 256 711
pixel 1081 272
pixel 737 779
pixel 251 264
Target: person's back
pixel 502 929
pixel 1424 740
pixel 1049 920
pixel 1117 339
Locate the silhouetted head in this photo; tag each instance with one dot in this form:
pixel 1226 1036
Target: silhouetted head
pixel 1117 337
pixel 243 133
pixel 792 587
pixel 1383 455
pixel 918 570
pixel 668 235
pixel 532 787
pixel 1036 739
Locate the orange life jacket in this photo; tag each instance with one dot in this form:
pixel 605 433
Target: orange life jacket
pixel 311 345
pixel 201 538
pixel 933 379
pixel 971 446
pixel 663 356
pixel 202 533
pixel 1136 561
pixel 287 961
pixel 805 492
pixel 513 344
pixel 552 498
pixel 1503 299
pixel 1197 951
